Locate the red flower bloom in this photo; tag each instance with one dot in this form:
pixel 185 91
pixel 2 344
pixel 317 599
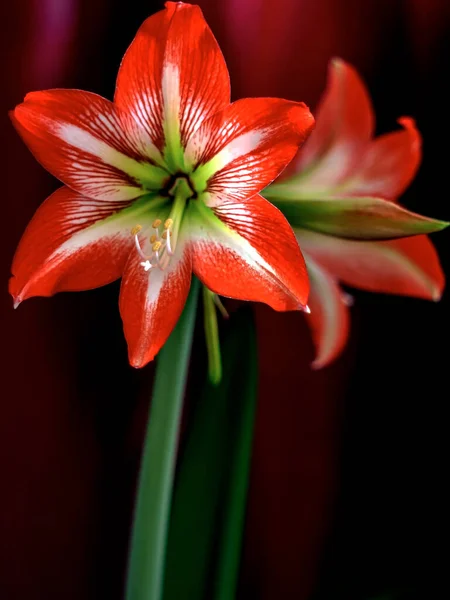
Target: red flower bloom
pixel 339 196
pixel 172 161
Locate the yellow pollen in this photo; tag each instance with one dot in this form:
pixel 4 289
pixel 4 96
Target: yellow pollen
pixel 168 223
pixel 136 229
pixel 156 223
pixel 156 246
pixel 152 239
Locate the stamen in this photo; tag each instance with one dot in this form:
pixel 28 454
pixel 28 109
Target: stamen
pixel 160 243
pixel 135 232
pixel 168 244
pixel 166 235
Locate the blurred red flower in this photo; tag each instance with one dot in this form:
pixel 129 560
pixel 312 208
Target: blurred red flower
pixel 339 195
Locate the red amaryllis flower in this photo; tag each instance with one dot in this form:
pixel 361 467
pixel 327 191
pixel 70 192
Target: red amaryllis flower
pixel 175 164
pixel 340 196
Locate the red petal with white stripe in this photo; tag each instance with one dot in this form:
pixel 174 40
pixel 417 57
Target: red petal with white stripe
pixel 345 124
pixel 72 243
pixel 173 71
pixel 329 318
pixel 244 147
pixel 389 163
pixel 151 303
pixel 248 251
pixel 80 138
pixel 408 266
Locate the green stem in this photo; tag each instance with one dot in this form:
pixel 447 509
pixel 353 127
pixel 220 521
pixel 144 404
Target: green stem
pixel 148 543
pixel 212 337
pixel 235 500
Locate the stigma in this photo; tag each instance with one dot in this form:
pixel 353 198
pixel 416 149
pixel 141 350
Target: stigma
pixel 159 242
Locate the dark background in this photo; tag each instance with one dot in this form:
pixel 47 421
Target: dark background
pixel 348 486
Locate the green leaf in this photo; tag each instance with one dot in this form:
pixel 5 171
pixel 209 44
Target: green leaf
pixel 235 499
pixel 210 494
pixel 148 543
pixel 357 218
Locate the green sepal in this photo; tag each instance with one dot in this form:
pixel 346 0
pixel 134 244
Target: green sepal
pixel 367 218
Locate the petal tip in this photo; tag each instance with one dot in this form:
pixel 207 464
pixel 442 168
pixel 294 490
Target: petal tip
pixel 140 352
pixel 15 291
pixel 176 4
pixel 337 62
pixel 432 226
pixel 442 225
pixel 318 364
pixel 13 116
pixel 172 7
pixel 410 126
pixel 138 362
pixel 407 122
pixel 20 114
pixel 436 294
pixel 347 299
pixel 301 114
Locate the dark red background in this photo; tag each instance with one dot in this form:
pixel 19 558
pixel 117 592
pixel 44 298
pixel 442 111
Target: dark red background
pixel 350 464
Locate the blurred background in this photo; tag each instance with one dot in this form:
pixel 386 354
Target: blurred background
pixel 347 492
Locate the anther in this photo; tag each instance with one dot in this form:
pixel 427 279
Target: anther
pixel 136 229
pixel 152 239
pixel 164 235
pixel 156 246
pixel 168 223
pixel 156 223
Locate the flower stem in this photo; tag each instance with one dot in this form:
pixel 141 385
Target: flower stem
pixel 149 536
pixel 212 337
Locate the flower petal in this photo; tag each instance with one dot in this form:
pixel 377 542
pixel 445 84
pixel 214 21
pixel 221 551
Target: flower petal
pixel 173 76
pixel 73 243
pixel 151 303
pixel 79 137
pixel 408 267
pixel 389 164
pixel 248 251
pixel 345 123
pixel 357 218
pixel 242 148
pixel 329 319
